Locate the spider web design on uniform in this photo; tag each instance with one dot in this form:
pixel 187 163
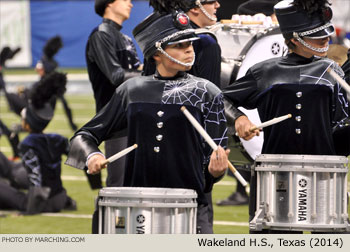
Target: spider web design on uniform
pixel 215 117
pixel 326 81
pixel 193 91
pixel 185 91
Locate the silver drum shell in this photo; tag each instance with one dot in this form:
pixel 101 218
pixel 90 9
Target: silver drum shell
pixel 147 210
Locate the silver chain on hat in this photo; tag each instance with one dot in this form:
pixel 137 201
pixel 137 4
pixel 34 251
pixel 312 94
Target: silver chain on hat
pixel 306 33
pixel 304 43
pixel 158 45
pixel 201 7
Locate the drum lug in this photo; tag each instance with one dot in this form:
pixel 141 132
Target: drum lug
pixel 346 221
pixel 257 222
pixel 290 216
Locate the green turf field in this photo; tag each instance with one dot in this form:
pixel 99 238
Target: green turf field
pixel 227 220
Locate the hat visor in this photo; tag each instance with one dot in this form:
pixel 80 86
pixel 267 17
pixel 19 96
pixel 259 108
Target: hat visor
pixel 183 40
pixel 322 34
pixel 208 1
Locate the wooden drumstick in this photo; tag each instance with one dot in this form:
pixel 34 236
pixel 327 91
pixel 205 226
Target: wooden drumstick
pixel 342 82
pixel 211 142
pixel 269 122
pixel 117 155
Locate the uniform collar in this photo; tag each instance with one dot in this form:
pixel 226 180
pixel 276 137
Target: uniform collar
pixel 194 25
pixel 298 59
pixel 111 22
pixel 177 76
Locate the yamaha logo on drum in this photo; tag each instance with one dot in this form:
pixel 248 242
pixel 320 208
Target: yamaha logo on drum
pixel 302 183
pixel 140 219
pixel 302 200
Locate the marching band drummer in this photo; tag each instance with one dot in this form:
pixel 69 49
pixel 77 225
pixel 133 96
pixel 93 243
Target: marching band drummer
pixel 202 13
pixel 170 152
pixel 298 84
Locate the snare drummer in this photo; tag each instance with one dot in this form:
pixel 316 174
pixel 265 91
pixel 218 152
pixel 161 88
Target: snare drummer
pixel 298 84
pixel 170 152
pixel 201 14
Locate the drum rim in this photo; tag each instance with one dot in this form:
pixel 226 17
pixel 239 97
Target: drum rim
pixel 294 158
pixel 147 192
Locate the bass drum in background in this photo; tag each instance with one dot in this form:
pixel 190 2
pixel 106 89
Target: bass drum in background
pixel 242 46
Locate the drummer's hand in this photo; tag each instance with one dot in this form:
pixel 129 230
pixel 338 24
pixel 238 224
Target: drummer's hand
pixel 243 126
pixel 218 162
pixel 94 164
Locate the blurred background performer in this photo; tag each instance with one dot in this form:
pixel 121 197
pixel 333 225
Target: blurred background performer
pixel 111 59
pixel 6 54
pixel 170 151
pixel 41 155
pixel 298 84
pixel 48 64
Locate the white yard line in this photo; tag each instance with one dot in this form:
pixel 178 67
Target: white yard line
pixel 89 216
pixel 226 183
pixel 73 178
pixel 35 77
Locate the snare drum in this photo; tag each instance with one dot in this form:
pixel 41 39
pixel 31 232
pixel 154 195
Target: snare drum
pixel 301 192
pixel 141 210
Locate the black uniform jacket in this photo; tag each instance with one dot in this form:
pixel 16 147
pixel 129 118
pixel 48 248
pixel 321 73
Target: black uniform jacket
pixel 111 58
pixel 170 153
pixel 298 86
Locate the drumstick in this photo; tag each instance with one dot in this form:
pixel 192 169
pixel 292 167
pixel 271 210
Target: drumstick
pixel 211 142
pixel 342 82
pixel 269 122
pixel 117 156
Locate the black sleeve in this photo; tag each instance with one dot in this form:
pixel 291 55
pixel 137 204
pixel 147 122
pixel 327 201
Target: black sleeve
pixel 243 92
pixel 110 119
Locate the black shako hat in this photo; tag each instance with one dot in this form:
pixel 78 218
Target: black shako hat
pixel 295 17
pixel 100 6
pixel 166 6
pixel 160 29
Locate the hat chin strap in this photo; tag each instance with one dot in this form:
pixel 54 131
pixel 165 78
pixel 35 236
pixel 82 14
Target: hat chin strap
pixel 304 43
pixel 212 18
pixel 175 60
